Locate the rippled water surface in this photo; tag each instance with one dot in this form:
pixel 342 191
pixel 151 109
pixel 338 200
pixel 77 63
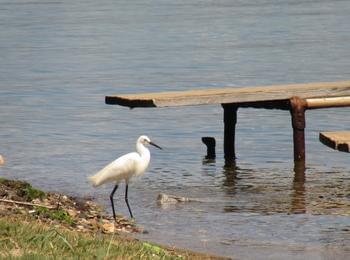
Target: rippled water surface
pixel 58 60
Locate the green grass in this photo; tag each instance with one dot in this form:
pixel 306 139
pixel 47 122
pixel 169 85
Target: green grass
pixel 19 240
pixel 58 214
pixel 24 189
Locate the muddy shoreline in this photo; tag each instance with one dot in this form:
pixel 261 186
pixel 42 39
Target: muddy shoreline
pixel 19 199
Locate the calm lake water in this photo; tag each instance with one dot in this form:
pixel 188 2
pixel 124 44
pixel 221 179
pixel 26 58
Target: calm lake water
pixel 58 60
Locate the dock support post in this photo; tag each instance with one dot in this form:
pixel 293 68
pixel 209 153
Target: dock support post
pixel 210 143
pixel 230 120
pixel 297 110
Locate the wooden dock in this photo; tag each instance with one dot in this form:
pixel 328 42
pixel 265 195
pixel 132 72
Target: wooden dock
pixel 296 98
pixel 240 95
pixel 337 140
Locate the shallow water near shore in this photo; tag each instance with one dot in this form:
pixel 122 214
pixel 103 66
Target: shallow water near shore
pixel 60 58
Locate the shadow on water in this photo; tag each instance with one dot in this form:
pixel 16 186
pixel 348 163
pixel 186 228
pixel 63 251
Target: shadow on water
pixel 230 172
pixel 261 191
pixel 298 197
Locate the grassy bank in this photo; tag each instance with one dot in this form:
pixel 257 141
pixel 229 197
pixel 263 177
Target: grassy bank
pixel 34 240
pixel 64 228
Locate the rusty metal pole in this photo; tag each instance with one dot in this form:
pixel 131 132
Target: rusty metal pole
pixel 230 120
pixel 297 110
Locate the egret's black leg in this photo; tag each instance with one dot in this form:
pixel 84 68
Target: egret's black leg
pixel 126 200
pixel 111 198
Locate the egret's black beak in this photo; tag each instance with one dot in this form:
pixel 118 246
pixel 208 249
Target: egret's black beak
pixel 155 145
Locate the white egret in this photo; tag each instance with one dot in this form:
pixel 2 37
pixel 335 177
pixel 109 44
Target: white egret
pixel 125 167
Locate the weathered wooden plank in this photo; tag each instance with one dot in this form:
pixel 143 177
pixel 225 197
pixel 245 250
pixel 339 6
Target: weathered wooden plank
pixel 336 140
pixel 233 95
pixel 313 103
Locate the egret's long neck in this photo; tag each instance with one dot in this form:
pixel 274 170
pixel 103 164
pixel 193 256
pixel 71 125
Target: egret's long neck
pixel 143 151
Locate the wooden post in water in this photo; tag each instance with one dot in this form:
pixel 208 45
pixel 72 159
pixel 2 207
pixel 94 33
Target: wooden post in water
pixel 230 120
pixel 297 110
pixel 210 143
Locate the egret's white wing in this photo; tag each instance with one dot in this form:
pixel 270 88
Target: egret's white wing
pixel 120 169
